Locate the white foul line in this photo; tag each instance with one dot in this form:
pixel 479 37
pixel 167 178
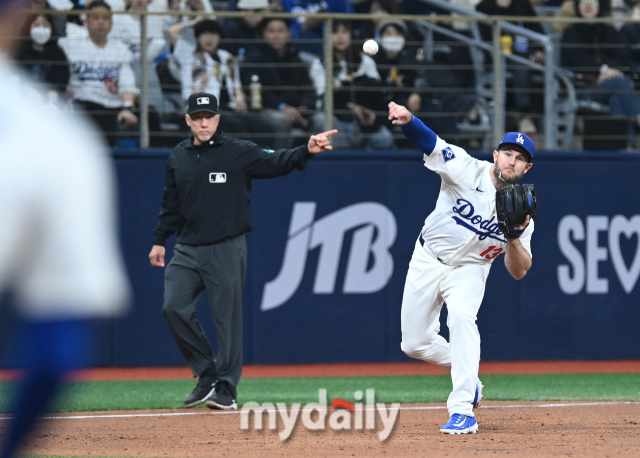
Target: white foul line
pixel 230 412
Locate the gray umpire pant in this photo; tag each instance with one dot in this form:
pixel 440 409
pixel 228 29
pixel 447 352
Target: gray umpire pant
pixel 220 270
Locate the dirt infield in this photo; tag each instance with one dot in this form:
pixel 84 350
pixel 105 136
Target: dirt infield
pixel 513 429
pixel 516 429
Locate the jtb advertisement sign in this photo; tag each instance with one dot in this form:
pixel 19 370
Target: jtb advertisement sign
pixel 331 247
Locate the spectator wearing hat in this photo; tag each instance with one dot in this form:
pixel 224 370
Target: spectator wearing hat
pixel 411 82
pixel 206 201
pixel 288 95
pixel 242 34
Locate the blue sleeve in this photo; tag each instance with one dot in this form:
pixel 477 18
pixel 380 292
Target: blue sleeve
pixel 420 135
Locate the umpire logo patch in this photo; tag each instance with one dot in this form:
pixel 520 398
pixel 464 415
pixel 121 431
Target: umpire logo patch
pixel 447 154
pixel 217 177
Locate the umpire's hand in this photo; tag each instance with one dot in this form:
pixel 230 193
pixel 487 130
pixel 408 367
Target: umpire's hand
pixel 157 256
pixel 399 115
pixel 319 143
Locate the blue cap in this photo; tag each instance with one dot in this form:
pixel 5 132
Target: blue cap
pixel 520 139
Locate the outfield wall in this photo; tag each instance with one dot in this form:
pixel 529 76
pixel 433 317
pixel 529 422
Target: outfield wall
pixel 346 228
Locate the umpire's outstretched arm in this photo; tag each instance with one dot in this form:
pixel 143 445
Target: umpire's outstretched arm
pixel 267 164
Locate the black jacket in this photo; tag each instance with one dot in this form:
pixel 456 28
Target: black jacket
pixel 208 187
pixel 585 47
pixel 283 75
pixel 49 66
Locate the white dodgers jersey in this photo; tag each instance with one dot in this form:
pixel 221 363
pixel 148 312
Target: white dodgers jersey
pixel 463 228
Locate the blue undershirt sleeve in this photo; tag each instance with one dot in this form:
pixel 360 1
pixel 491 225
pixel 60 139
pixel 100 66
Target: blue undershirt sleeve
pixel 420 135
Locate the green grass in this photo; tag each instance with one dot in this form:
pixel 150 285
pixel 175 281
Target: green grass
pixel 170 394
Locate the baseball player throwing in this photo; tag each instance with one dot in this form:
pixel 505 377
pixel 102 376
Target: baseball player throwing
pixel 453 255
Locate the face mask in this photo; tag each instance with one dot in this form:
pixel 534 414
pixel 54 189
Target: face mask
pixel 41 35
pixel 393 44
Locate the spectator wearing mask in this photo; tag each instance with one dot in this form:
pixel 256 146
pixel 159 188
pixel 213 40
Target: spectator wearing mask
pixel 43 59
pixel 288 96
pixel 356 89
pixel 102 82
pixel 409 81
pixel 58 21
pixel 364 30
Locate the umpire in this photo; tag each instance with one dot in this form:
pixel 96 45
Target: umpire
pixel 206 201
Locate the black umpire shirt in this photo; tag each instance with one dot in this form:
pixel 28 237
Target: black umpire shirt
pixel 208 187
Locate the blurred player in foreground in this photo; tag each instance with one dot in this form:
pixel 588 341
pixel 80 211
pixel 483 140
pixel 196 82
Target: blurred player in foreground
pixel 58 242
pixel 453 255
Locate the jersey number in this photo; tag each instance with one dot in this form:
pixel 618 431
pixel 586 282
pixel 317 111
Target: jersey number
pixel 491 252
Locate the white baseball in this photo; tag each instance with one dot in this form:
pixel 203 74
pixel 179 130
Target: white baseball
pixel 370 47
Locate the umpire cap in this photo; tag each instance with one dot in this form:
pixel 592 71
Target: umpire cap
pixel 519 139
pixel 202 101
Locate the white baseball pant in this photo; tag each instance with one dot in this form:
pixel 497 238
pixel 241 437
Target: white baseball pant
pixel 429 284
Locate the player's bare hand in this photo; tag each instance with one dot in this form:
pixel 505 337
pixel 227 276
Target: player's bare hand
pixel 399 115
pixel 127 117
pixel 157 256
pixel 319 143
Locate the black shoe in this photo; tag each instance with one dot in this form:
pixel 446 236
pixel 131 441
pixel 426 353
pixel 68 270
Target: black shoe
pixel 206 387
pixel 225 397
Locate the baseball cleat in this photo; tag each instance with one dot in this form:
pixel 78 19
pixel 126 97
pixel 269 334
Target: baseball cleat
pixel 477 400
pixel 460 424
pixel 206 387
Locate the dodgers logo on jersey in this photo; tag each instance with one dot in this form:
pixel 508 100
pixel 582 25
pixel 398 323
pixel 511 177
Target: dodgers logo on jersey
pixel 447 154
pixel 485 228
pixel 520 139
pixel 84 71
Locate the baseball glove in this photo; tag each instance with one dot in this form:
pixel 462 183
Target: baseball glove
pixel 513 204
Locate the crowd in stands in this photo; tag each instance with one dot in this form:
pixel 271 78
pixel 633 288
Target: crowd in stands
pixel 269 75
